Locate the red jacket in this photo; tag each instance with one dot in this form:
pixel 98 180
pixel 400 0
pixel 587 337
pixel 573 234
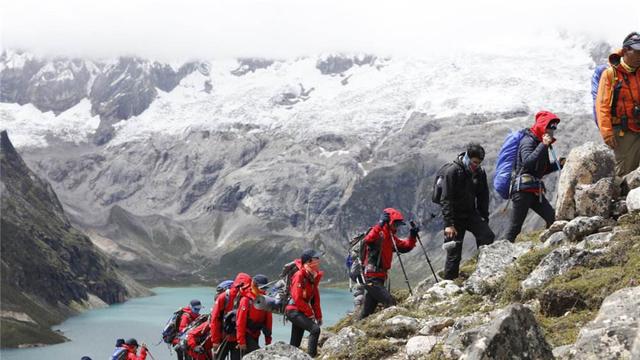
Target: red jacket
pixel 131 353
pixel 185 319
pixel 195 338
pixel 305 296
pixel 219 309
pixel 380 237
pixel 250 320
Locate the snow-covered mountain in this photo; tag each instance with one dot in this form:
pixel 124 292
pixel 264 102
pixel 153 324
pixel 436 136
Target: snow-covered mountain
pixel 214 166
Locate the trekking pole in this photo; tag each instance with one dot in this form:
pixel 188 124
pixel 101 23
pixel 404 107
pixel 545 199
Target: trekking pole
pixel 149 352
pixel 395 247
pixel 413 225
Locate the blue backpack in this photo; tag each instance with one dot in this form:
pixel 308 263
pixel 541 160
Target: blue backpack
pixel 170 330
pixel 595 82
pixel 119 354
pixel 506 162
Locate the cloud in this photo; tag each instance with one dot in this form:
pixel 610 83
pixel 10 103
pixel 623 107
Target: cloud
pixel 172 29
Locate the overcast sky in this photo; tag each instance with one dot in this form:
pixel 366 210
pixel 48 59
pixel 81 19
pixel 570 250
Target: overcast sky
pixel 172 29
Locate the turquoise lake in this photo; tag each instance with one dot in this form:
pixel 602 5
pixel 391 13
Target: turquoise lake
pixel 94 332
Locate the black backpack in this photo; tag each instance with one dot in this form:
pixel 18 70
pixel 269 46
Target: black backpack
pixel 439 186
pixel 229 318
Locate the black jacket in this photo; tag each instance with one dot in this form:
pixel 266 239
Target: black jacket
pixel 533 160
pixel 464 193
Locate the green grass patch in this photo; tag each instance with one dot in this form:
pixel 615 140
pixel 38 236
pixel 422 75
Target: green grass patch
pixel 466 270
pixel 509 290
pixel 368 349
pixel 564 330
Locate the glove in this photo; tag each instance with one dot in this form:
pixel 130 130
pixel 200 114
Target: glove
pixel 384 219
pixel 414 231
pixel 199 349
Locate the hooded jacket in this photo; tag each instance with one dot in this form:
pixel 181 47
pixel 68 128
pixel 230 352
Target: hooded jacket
pixel 465 193
pixel 131 353
pixel 223 304
pixel 533 161
pixel 250 320
pixel 379 250
pixel 615 75
pixel 199 336
pixel 305 293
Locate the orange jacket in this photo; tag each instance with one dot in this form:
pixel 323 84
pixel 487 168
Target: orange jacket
pixel 629 92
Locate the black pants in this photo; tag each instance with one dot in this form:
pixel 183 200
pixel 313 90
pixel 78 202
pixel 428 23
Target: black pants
pixel 375 293
pixel 252 344
pixel 300 323
pixel 228 349
pixel 180 354
pixel 521 203
pixel 483 234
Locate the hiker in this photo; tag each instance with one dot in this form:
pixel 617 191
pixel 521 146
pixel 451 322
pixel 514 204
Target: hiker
pixel 223 332
pixel 378 257
pixel 132 350
pixel 532 163
pixel 465 206
pixel 618 105
pixel 189 313
pixel 118 350
pixel 251 321
pixel 199 342
pixel 303 309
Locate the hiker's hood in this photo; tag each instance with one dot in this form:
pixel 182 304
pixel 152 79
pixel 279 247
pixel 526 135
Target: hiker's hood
pixel 543 118
pixel 394 215
pixel 242 281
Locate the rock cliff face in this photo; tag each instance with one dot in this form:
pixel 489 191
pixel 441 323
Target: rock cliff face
pixel 50 270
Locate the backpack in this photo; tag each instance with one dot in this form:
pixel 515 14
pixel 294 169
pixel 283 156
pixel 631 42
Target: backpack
pixel 229 318
pixel 183 337
pixel 439 190
pixel 595 83
pixel 505 164
pixel 170 330
pixel 356 255
pixel 119 354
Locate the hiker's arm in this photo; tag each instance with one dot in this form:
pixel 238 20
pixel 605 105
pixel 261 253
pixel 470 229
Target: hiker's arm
pixel 241 320
pixel 266 329
pixel 296 294
pixel 216 324
pixel 448 213
pixel 184 321
pixel 483 197
pixel 530 153
pixel 317 310
pixel 405 245
pixel 603 104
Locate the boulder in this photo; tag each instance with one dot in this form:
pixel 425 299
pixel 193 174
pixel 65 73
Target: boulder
pixel 595 199
pixel 344 341
pixel 388 313
pixel 493 261
pixel 419 346
pixel 631 181
pixel 401 326
pixel 278 351
pixel 554 228
pixel 557 262
pixel 435 325
pixel 582 226
pixel 562 352
pixel 611 335
pixel 597 240
pixel 513 334
pixel 633 200
pixel 443 290
pixel 635 352
pixel 619 208
pixel 556 239
pixel 586 164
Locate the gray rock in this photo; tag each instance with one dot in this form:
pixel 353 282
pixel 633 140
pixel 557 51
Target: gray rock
pixel 419 346
pixel 595 240
pixel 619 208
pixel 556 239
pixel 388 313
pixel 633 200
pixel 586 164
pixel 343 342
pixel 443 290
pixel 562 352
pixel 435 325
pixel 595 199
pixel 513 334
pixel 278 351
pixel 493 261
pixel 400 326
pixel 611 335
pixel 556 227
pixel 247 65
pixel 582 226
pixel 635 352
pixel 557 262
pixel 631 180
